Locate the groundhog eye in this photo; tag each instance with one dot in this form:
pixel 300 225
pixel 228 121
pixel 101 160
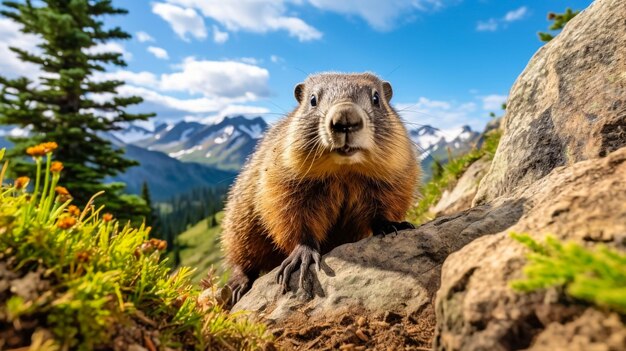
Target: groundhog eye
pixel 313 101
pixel 376 99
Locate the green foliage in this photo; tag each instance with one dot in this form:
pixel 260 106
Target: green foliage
pixel 59 105
pixel 200 248
pixel 186 210
pixel 559 21
pixel 595 275
pixel 150 217
pixel 92 277
pixel 445 177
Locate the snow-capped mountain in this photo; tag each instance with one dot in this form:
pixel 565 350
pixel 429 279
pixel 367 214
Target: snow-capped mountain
pixel 430 140
pixel 225 144
pixel 436 145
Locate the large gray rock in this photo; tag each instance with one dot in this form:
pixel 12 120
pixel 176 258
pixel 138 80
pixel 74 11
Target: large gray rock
pixel 461 196
pixel 592 331
pixel 569 104
pixel 396 273
pixel 476 308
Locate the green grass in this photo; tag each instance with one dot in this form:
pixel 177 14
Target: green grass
pixel 200 248
pixel 90 278
pixel 431 191
pixel 596 275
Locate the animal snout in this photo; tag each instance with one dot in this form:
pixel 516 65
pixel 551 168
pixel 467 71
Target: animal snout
pixel 346 119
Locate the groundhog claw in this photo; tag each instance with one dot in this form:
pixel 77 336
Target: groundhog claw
pixel 385 228
pixel 238 292
pixel 301 257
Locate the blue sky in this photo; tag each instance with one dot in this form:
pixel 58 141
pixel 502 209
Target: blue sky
pixel 450 62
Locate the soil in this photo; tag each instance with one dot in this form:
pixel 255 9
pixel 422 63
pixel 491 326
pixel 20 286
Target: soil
pixel 356 330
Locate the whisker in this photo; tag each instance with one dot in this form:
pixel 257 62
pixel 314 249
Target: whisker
pixel 393 70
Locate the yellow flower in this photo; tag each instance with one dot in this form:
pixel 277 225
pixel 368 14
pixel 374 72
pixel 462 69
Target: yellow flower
pixel 61 190
pixel 21 182
pixel 73 210
pixel 107 217
pixel 56 167
pixel 66 222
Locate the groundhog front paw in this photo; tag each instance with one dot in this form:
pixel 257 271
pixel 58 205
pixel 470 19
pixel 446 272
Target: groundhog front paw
pixel 302 256
pixel 386 227
pixel 238 285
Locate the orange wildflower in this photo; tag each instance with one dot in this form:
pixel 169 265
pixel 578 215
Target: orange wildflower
pixel 49 146
pixel 21 182
pixel 36 151
pixel 61 190
pixel 107 217
pixel 42 149
pixel 56 167
pixel 73 210
pixel 66 222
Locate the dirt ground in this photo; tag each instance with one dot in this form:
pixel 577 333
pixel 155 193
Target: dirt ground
pixel 358 331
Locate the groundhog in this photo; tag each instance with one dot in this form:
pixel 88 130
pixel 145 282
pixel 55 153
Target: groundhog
pixel 337 169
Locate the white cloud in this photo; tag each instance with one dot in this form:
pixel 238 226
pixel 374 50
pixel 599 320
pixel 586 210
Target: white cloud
pixel 233 110
pixel 381 15
pixel 258 16
pixel 250 60
pixel 230 81
pixel 493 24
pixel 493 102
pixel 262 16
pixel 445 115
pixel 173 108
pixel 144 37
pixel 197 105
pixel 450 115
pixel 110 46
pixel 219 36
pixel 516 15
pixel 182 20
pixel 10 65
pixel 490 25
pixel 218 78
pixel 143 78
pixel 159 53
pixel 226 87
pixel 276 59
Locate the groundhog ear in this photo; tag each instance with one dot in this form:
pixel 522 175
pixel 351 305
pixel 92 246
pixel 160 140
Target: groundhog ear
pixel 387 91
pixel 298 91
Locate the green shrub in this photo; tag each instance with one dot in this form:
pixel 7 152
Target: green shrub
pixel 92 277
pixel 596 275
pixel 431 191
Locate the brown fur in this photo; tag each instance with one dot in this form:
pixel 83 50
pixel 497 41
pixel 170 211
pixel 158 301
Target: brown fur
pixel 291 190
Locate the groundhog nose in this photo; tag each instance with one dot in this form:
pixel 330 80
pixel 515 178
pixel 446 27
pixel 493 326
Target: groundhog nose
pixel 346 121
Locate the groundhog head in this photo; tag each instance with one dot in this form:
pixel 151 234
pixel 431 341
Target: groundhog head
pixel 344 122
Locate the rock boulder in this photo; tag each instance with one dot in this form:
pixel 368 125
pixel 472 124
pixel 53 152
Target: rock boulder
pixel 569 104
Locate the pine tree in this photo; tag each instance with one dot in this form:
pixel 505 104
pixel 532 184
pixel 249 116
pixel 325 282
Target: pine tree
pixel 61 105
pixel 145 195
pixel 559 21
